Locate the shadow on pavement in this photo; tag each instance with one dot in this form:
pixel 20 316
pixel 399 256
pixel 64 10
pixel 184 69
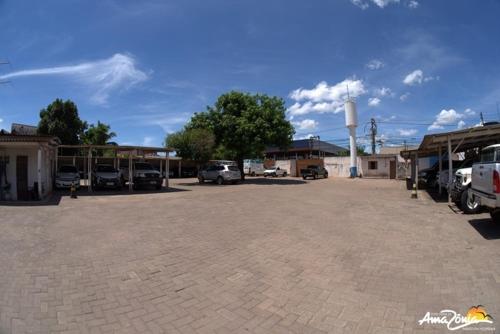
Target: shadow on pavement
pixel 252 180
pixel 487 228
pixel 56 197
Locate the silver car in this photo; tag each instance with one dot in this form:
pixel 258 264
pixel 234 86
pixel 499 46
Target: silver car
pixel 220 174
pixel 66 176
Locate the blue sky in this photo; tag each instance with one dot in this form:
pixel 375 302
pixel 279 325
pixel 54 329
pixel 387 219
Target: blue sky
pixel 416 66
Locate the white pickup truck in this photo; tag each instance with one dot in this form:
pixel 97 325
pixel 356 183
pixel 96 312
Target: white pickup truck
pixel 460 189
pixel 486 180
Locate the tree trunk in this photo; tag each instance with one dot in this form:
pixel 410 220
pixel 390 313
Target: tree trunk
pixel 240 167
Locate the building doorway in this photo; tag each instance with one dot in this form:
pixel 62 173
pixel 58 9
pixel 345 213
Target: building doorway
pixel 392 169
pixel 22 177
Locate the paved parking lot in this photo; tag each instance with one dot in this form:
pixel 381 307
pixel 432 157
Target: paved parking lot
pixel 267 256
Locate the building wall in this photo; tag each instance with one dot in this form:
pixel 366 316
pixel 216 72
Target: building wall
pixel 32 154
pixel 339 166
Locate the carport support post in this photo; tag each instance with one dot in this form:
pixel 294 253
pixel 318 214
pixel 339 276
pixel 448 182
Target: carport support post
pixel 89 169
pixel 39 172
pixel 440 159
pixel 416 171
pixel 450 169
pixel 167 169
pixel 130 173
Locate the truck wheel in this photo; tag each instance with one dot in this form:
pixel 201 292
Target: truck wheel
pixel 495 216
pixel 219 180
pixel 469 206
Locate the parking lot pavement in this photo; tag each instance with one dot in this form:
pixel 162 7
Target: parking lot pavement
pixel 268 256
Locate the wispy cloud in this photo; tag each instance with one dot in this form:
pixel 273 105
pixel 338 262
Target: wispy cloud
pixel 373 101
pixel 102 77
pixel 375 64
pixel 407 132
pixel 306 124
pixel 364 4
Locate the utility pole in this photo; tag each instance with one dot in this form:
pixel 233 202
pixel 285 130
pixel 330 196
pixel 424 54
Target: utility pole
pixel 373 130
pixel 482 119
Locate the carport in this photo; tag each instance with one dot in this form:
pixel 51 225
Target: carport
pixel 451 142
pixel 85 156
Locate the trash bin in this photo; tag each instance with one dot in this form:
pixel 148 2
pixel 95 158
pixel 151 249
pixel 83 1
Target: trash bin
pixel 409 183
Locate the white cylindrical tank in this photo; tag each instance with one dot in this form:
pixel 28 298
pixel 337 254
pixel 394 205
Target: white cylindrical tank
pixel 351 115
pixel 351 121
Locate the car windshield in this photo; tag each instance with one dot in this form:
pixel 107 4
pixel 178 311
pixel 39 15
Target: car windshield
pixel 105 168
pixel 67 169
pixel 143 166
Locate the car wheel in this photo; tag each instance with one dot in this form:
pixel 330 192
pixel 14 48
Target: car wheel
pixel 314 176
pixel 219 180
pixel 284 174
pixel 469 205
pixel 326 176
pixel 304 177
pixel 274 175
pixel 252 174
pixel 265 175
pixel 495 215
pixel 201 180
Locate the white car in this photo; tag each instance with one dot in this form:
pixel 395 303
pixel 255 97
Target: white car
pixel 66 176
pixel 275 172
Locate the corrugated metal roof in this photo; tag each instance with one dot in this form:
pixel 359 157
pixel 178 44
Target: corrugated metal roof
pixel 14 138
pixel 306 144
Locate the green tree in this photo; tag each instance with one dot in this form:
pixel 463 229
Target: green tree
pixel 193 144
pixel 245 124
pixel 99 134
pixel 61 119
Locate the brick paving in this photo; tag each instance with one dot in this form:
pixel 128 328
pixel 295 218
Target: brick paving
pixel 280 256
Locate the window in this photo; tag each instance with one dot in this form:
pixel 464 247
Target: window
pixel 488 155
pixel 372 164
pixel 233 168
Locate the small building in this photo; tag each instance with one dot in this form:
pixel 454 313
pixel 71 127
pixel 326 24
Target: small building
pixel 306 149
pixel 27 162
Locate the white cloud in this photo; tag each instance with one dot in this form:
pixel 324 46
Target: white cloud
pixel 405 96
pixel 413 4
pixel 148 141
pixel 364 4
pixel 461 124
pixel 361 4
pixel 101 76
pixel 469 112
pixel 407 132
pixel 303 137
pixel 415 77
pixel 383 92
pixel 373 101
pixel 324 98
pixel 448 117
pixel 306 124
pixel 375 64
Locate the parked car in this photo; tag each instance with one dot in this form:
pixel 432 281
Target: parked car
pixel 428 177
pixel 66 176
pixel 253 167
pixel 275 172
pixel 442 177
pixel 220 173
pixel 144 175
pixel 486 181
pixel 314 171
pixel 460 190
pixel 106 176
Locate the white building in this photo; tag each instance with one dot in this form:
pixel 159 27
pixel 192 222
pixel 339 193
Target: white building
pixel 27 163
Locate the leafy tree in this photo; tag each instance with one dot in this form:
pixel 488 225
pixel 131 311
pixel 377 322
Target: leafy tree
pixel 193 144
pixel 99 134
pixel 61 119
pixel 245 124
